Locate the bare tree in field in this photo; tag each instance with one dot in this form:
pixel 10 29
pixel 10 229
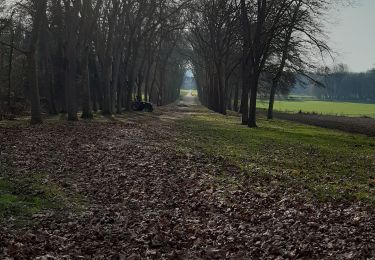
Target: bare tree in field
pixel 284 43
pixel 267 29
pixel 301 36
pixel 261 20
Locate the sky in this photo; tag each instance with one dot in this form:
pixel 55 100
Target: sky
pixel 189 73
pixel 352 35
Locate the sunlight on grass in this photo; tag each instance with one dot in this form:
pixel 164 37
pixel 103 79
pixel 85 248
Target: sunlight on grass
pixel 185 92
pixel 329 164
pixel 323 107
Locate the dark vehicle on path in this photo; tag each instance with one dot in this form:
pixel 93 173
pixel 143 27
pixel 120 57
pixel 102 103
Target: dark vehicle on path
pixel 139 105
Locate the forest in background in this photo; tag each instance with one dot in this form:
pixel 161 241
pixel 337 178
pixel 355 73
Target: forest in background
pixel 341 85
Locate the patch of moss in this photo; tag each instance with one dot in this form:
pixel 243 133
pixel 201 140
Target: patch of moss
pixel 21 197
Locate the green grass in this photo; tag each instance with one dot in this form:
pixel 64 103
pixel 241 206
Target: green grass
pixel 323 107
pixel 21 197
pixel 184 92
pixel 327 164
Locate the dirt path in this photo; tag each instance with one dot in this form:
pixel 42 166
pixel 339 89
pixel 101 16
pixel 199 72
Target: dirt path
pixel 143 198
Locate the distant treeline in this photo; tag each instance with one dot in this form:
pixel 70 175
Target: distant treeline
pixel 341 85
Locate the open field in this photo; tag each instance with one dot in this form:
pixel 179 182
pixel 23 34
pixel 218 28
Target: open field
pixel 185 92
pixel 323 107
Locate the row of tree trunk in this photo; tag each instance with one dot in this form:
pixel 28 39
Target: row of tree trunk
pixel 99 55
pixel 259 45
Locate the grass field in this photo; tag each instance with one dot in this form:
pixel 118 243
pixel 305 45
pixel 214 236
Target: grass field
pixel 323 107
pixel 328 164
pixel 24 196
pixel 185 92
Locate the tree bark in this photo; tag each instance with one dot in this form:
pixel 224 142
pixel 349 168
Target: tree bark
pixel 285 51
pixel 36 116
pixel 115 81
pixel 253 101
pixel 236 96
pixel 86 95
pixel 70 58
pixel 10 64
pixel 70 82
pixel 245 95
pixel 272 99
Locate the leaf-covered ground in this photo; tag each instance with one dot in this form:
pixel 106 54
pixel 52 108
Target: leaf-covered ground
pixel 130 188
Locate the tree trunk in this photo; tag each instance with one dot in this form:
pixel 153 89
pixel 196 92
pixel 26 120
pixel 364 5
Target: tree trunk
pixel 70 83
pixel 115 80
pixel 152 87
pixel 147 81
pixel 236 96
pixel 253 101
pixel 245 95
pixel 129 94
pixel 94 96
pixel 229 99
pixel 272 100
pixel 221 93
pixel 47 73
pixel 244 62
pixel 86 95
pixel 70 59
pixel 139 85
pixel 119 99
pixel 107 69
pixel 10 64
pixel 99 85
pixel 36 116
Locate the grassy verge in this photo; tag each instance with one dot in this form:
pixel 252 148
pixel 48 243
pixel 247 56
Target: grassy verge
pixel 328 164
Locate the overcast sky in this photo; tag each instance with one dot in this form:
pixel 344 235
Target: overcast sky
pixel 353 35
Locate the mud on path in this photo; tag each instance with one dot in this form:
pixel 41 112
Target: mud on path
pixel 143 197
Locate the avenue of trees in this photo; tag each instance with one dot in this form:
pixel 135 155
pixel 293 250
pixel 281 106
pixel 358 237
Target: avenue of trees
pixel 66 56
pixel 242 48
